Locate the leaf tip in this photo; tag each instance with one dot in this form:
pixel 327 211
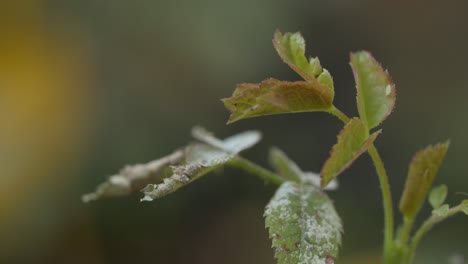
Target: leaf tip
pixel 231 120
pixel 323 183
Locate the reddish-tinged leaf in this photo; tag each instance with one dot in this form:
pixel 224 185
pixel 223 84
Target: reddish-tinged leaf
pixel 277 97
pixel 353 140
pixel 421 174
pixel 375 89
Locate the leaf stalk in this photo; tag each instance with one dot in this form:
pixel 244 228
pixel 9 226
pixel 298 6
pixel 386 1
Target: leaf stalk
pixel 254 169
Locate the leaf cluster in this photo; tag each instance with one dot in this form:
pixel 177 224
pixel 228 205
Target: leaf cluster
pixel 302 221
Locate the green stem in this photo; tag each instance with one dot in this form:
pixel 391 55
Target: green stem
pixel 256 170
pixel 338 113
pixel 387 199
pixel 405 231
pixel 427 225
pixel 385 186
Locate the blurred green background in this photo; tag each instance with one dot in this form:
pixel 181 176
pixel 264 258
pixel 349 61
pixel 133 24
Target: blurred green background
pixel 89 86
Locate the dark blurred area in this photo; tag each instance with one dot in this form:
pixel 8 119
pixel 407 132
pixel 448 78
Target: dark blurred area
pixel 89 86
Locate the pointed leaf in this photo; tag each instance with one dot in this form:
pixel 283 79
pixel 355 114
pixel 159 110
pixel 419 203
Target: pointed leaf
pixel 276 97
pixel 441 211
pixel 375 89
pixel 353 140
pixel 303 225
pixel 421 174
pixel 437 196
pixel 291 49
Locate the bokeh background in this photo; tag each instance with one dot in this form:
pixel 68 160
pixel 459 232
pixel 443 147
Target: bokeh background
pixel 89 86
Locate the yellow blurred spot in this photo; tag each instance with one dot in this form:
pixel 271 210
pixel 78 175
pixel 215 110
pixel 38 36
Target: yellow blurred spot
pixel 42 107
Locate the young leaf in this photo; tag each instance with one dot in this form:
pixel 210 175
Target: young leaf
pixel 291 49
pixel 303 225
pixel 375 89
pixel 287 168
pixel 437 196
pixel 353 140
pixel 421 174
pixel 277 97
pixel 441 211
pixel 132 179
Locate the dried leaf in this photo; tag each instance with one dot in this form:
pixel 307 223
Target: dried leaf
pixel 200 159
pixel 353 140
pixel 421 174
pixel 176 170
pixel 303 225
pixel 133 178
pixel 277 97
pixel 233 144
pixel 375 90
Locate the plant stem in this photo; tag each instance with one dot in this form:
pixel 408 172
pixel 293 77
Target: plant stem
pixel 256 170
pixel 405 231
pixel 387 199
pixel 427 225
pixel 385 186
pixel 338 113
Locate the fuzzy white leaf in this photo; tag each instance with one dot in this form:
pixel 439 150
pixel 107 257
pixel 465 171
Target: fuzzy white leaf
pixel 303 225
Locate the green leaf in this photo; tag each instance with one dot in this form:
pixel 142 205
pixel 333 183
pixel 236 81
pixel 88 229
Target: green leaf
pixel 441 211
pixel 285 167
pixel 353 140
pixel 277 97
pixel 288 169
pixel 437 196
pixel 167 174
pixel 291 49
pixel 303 225
pixel 375 89
pixel 422 171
